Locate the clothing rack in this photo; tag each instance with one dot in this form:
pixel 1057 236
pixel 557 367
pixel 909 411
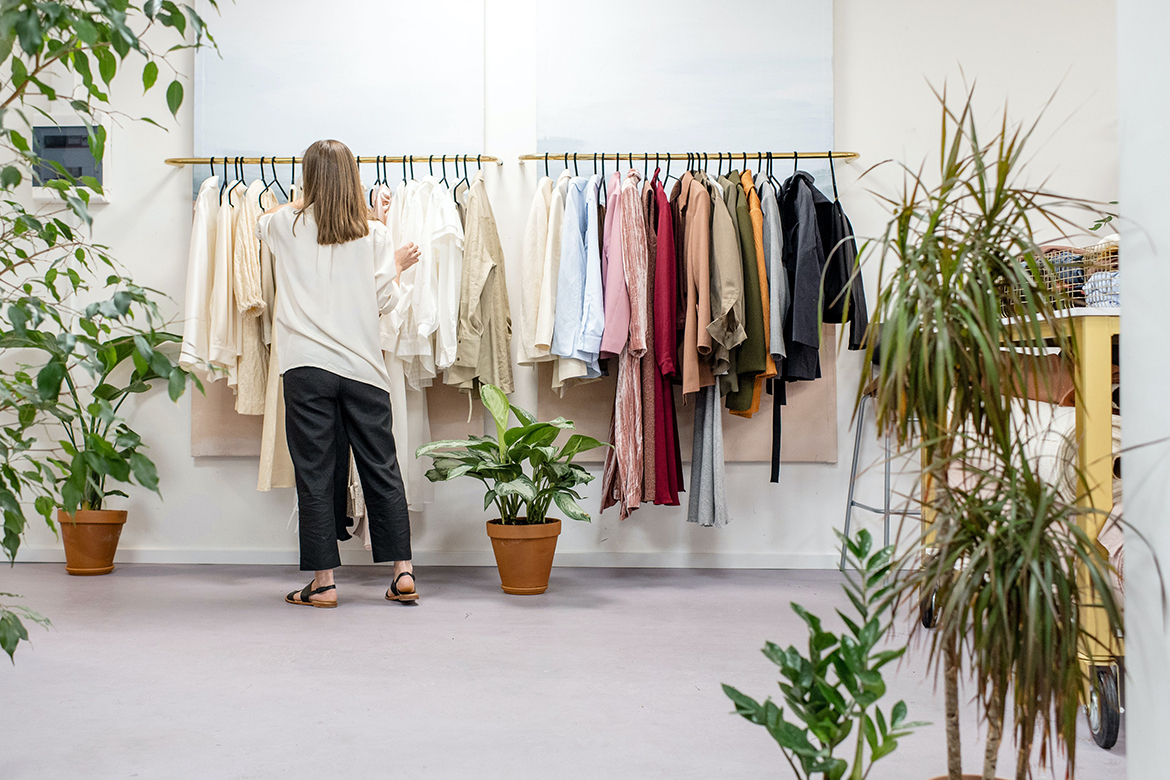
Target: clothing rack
pixel 705 156
pixel 361 159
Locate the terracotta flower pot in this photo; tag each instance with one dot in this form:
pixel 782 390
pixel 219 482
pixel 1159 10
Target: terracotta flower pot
pixel 91 539
pixel 524 555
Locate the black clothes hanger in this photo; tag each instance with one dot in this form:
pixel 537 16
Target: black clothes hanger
pixel 466 174
pixel 223 184
pixel 411 157
pixel 666 178
pixel 431 164
pixel 292 166
pixel 276 180
pixel 236 171
pixel 833 174
pixel 575 173
pixel 719 169
pixel 546 165
pixel 443 165
pixel 795 162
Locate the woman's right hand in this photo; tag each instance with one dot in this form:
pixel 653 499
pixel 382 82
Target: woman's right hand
pixel 406 256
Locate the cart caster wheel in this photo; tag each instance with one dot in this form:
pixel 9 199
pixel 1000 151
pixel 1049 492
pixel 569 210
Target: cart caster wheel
pixel 926 609
pixel 1104 708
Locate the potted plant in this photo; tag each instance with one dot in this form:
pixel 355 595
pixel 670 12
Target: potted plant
pixel 99 446
pixel 964 299
pixel 524 474
pixel 832 693
pixel 49 339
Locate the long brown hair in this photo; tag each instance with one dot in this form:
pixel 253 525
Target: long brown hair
pixel 333 187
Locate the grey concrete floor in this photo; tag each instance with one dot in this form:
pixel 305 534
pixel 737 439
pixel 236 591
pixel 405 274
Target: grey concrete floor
pixel 176 672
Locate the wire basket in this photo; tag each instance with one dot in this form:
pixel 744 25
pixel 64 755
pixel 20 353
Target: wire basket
pixel 1066 269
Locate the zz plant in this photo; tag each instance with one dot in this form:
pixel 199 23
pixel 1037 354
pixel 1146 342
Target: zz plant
pixel 70 317
pixel 833 690
pixel 521 496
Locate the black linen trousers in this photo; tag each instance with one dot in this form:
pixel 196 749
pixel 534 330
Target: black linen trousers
pixel 321 410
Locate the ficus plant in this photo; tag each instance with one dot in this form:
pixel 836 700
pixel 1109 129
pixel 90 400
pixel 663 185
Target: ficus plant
pixel 523 470
pixel 830 694
pixel 77 336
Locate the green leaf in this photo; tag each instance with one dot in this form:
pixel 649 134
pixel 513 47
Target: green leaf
pixel 97 142
pixel 521 486
pixel 149 75
pixel 12 632
pixel 174 97
pixel 17 139
pixel 524 417
pixel 570 507
pixel 10 177
pixel 107 64
pixel 579 443
pixel 49 380
pixel 144 471
pixel 176 384
pixel 496 403
pixel 150 8
pixel 86 30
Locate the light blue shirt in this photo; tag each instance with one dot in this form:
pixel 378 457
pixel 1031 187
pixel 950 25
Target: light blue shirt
pixel 593 308
pixel 568 326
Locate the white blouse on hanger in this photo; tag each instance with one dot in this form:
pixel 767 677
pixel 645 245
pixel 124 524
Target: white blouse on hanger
pixel 195 354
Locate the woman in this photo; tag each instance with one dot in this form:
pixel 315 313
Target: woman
pixel 337 271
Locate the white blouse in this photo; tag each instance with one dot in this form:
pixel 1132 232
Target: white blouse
pixel 331 297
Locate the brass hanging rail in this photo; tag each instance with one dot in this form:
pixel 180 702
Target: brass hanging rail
pixel 589 156
pixel 361 159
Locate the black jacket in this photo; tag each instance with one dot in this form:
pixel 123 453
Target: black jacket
pixel 804 259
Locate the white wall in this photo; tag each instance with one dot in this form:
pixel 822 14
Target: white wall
pixel 885 53
pixel 1143 65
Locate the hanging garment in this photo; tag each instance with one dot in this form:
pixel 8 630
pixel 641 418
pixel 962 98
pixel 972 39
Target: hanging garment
pixel 547 312
pixel 844 292
pixel 532 257
pixel 223 316
pixel 773 236
pixel 667 456
pixel 727 284
pixel 622 475
pixel 576 364
pixel 195 353
pixel 804 259
pixel 485 321
pixel 593 299
pixel 649 363
pixel 707 505
pixel 751 357
pixel 694 208
pixel 445 229
pixel 252 366
pixel 276 467
pixel 756 223
pixel 617 300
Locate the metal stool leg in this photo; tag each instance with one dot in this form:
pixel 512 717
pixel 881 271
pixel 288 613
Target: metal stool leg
pixel 886 504
pixel 853 474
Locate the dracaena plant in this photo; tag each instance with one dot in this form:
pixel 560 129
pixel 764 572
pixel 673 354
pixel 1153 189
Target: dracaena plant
pixel 832 691
pixel 69 314
pixel 966 299
pixel 523 470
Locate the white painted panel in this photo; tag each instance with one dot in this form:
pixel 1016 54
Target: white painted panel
pixel 385 78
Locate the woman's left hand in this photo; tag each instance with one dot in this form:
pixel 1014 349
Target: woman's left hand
pixel 406 256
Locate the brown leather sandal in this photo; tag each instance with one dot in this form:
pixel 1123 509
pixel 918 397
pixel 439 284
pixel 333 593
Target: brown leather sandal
pixel 308 591
pixel 394 594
